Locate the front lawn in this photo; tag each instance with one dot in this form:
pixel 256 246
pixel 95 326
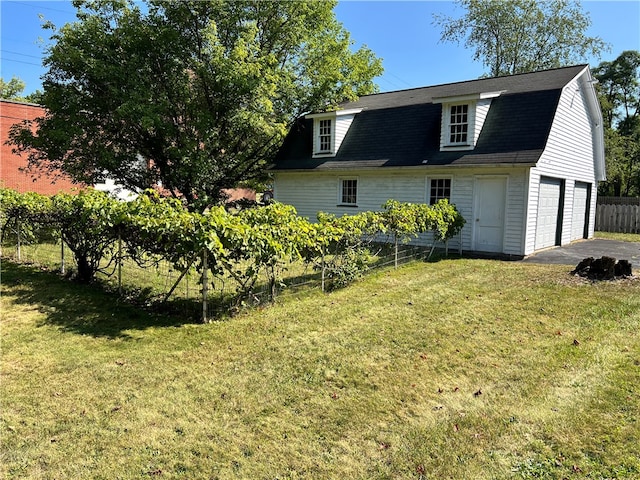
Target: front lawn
pixel 622 237
pixel 462 369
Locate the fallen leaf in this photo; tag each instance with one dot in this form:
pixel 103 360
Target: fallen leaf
pixel 478 393
pixel 576 342
pixel 384 446
pixel 455 427
pixel 440 390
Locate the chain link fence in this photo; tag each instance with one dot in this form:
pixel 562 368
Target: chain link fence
pixel 157 283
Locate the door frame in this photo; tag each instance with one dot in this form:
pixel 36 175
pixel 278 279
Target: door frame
pixel 476 204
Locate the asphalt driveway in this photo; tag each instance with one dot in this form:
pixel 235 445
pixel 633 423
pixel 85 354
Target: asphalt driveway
pixel 596 248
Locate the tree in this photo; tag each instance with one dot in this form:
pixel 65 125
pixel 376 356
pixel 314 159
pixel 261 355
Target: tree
pixel 518 36
pixel 12 90
pixel 194 95
pixel 619 93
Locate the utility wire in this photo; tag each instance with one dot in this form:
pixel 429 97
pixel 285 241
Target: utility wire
pixel 39 7
pixel 21 54
pixel 20 61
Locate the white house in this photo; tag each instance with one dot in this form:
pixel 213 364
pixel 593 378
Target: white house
pixel 520 156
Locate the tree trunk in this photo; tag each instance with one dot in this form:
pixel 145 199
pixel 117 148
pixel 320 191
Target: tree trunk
pixel 85 270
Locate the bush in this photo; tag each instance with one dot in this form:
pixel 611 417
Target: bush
pixel 347 267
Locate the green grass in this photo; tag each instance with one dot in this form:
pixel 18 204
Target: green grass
pixel 623 237
pixel 463 369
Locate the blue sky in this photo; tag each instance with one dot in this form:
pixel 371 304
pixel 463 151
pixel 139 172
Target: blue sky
pixel 401 33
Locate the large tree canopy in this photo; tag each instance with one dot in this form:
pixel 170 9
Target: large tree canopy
pixel 193 95
pixel 619 91
pixel 519 36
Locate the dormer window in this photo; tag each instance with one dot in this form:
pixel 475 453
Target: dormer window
pixel 329 130
pixel 324 136
pixel 462 119
pixel 458 124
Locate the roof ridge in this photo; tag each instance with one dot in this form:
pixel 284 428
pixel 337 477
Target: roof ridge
pixel 475 80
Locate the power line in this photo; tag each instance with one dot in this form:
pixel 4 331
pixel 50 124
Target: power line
pixel 21 54
pixel 39 7
pixel 20 61
pixel 400 79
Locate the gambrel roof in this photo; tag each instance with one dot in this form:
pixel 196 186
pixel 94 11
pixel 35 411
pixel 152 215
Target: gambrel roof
pixel 403 128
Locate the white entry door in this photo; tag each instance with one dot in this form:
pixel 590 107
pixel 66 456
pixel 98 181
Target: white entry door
pixel 489 213
pixel 548 212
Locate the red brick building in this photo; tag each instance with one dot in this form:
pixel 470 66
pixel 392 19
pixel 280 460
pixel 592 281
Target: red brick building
pixel 11 175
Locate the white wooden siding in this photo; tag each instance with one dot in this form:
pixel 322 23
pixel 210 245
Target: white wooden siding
pixel 569 155
pixel 515 213
pixel 482 109
pixel 342 123
pixel 311 192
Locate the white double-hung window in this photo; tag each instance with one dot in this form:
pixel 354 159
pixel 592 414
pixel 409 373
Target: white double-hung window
pixel 462 119
pixel 459 124
pixel 324 135
pixel 348 192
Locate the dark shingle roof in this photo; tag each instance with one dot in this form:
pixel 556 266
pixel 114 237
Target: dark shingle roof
pixel 403 128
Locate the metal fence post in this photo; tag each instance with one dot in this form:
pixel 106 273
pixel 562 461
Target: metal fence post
pixel 62 266
pixel 205 286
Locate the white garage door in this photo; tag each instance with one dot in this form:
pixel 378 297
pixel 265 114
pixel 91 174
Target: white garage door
pixel 548 210
pixel 580 206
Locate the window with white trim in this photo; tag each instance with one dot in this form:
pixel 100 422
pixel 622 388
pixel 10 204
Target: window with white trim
pixel 459 124
pixel 324 135
pixel 439 189
pixel 348 191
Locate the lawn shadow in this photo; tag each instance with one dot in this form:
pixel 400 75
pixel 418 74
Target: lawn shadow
pixel 82 309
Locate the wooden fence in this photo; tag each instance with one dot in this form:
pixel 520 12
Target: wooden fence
pixel 621 215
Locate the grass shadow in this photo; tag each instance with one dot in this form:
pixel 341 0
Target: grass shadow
pixel 81 309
